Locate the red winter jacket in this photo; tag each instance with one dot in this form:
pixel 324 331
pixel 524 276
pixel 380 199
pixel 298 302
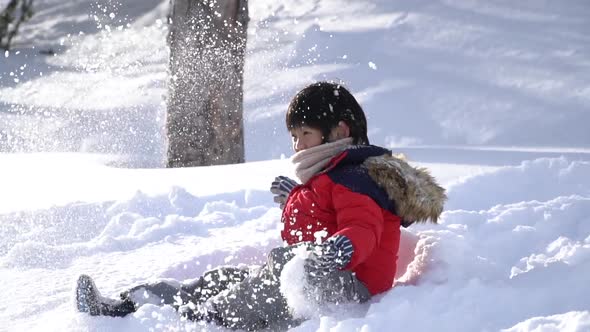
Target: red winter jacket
pixel 338 201
pixel 359 195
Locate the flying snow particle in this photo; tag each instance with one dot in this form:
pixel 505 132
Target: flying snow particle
pixel 6 54
pixel 112 15
pixel 372 65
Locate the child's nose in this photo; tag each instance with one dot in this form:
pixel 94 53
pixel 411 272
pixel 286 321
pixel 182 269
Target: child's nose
pixel 299 145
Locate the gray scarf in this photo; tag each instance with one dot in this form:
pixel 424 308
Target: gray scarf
pixel 311 161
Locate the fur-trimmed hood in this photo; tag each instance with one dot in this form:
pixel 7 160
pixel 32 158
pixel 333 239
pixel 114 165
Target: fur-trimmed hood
pixel 409 192
pixel 414 191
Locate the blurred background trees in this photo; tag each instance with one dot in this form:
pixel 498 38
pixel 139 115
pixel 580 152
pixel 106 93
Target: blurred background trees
pixel 12 15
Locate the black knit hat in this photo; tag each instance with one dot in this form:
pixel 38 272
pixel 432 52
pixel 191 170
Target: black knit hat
pixel 322 106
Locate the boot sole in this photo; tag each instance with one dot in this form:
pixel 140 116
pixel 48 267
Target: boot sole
pixel 87 296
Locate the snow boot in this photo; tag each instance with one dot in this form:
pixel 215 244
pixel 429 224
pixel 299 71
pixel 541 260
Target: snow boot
pixel 89 300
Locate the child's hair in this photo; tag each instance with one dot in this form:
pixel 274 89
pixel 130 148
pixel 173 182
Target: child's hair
pixel 322 105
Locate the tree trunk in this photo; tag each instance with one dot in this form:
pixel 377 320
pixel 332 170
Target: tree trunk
pixel 11 18
pixel 207 46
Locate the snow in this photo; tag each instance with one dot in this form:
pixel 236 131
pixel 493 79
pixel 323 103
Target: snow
pixel 491 96
pixel 293 286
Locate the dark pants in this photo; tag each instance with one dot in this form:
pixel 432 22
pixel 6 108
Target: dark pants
pixel 242 299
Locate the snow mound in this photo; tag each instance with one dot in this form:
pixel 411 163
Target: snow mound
pixel 53 238
pixel 503 252
pixel 540 179
pixel 574 321
pixel 514 236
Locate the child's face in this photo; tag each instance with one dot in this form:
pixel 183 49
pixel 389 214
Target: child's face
pixel 305 137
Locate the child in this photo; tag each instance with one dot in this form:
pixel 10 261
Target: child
pixel 347 212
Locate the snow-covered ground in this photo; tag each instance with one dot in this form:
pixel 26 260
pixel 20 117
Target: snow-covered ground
pixel 492 96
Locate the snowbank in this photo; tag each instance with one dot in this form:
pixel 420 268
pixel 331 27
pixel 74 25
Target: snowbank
pixel 504 256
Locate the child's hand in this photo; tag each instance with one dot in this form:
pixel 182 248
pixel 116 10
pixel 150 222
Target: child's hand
pixel 334 254
pixel 281 187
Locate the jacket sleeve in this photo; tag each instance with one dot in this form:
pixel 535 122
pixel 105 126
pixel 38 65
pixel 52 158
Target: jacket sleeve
pixel 360 219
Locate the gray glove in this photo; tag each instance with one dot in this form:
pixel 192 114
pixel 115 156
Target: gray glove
pixel 333 254
pixel 281 187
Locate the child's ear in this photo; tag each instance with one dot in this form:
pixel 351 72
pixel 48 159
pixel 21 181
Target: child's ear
pixel 343 130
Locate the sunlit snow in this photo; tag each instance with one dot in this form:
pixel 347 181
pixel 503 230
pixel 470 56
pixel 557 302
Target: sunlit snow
pixel 491 96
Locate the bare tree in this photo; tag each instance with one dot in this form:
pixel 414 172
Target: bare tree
pixel 207 46
pixel 11 18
